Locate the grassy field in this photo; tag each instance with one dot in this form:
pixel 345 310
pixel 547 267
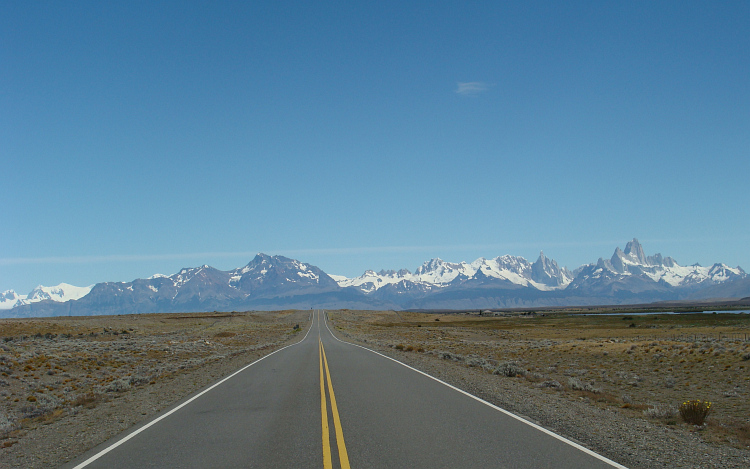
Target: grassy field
pixel 643 366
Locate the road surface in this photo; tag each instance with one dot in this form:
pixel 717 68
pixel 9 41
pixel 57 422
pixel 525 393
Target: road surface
pixel 324 403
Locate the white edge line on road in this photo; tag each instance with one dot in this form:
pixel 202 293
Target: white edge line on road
pixel 500 409
pixel 162 417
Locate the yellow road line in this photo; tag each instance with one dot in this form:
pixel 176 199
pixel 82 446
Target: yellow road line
pixel 343 456
pixel 327 464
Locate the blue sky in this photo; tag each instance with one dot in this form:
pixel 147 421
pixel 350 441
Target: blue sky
pixel 141 137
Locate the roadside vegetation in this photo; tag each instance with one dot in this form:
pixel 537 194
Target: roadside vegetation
pixel 686 372
pixel 52 369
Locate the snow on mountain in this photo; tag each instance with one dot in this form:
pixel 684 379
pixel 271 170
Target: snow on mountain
pixel 505 281
pixel 437 273
pixel 547 272
pixel 59 293
pixel 632 262
pixel 186 274
pixel 371 281
pixel 628 267
pixel 9 299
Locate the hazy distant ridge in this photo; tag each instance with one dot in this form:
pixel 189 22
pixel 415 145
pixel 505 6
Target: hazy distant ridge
pixel 275 282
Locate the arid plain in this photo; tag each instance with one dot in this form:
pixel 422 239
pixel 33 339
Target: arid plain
pixel 67 384
pixel 641 367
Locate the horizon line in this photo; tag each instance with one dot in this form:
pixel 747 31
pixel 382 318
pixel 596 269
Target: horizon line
pixel 93 259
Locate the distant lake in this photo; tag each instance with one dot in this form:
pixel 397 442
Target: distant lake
pixel 669 312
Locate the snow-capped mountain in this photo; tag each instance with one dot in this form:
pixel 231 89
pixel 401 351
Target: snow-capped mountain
pixel 266 282
pixel 9 299
pixel 631 267
pixel 546 271
pixel 59 293
pixel 371 281
pixel 277 282
pixel 279 275
pixel 543 275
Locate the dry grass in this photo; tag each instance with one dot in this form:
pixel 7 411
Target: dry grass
pixel 52 367
pixel 660 362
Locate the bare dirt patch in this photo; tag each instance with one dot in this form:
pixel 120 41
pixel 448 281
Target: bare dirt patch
pixel 68 384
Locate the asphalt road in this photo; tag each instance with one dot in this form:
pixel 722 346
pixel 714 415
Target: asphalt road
pixel 324 403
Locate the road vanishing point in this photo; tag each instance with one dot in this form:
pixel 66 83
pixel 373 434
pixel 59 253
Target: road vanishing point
pixel 326 403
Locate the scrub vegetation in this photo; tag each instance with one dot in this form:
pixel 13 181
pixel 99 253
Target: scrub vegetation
pixel 652 367
pixel 77 372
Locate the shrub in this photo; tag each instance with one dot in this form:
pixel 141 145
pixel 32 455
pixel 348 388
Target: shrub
pixel 118 385
pixel 42 406
pixel 575 384
pixel 660 412
pixel 409 348
pixel 695 412
pixel 400 347
pixel 551 384
pixel 509 369
pixel 85 399
pixel 6 424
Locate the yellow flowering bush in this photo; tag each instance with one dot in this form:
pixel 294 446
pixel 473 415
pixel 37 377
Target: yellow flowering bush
pixel 695 412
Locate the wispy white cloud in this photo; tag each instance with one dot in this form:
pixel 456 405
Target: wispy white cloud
pixel 506 248
pixel 471 88
pixel 202 256
pixel 116 258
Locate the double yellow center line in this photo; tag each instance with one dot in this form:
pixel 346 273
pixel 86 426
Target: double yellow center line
pixel 343 457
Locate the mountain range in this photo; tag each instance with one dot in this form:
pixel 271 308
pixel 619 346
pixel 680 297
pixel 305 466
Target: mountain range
pixel 276 282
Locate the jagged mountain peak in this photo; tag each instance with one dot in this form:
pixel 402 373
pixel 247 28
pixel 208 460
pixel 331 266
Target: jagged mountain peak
pixel 548 272
pixel 635 250
pixel 278 273
pixel 503 281
pixel 432 264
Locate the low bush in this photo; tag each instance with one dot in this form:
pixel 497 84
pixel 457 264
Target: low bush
pixel 575 384
pixel 43 405
pixel 510 369
pixel 86 399
pixel 660 412
pixel 118 385
pixel 551 384
pixel 695 412
pixel 6 424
